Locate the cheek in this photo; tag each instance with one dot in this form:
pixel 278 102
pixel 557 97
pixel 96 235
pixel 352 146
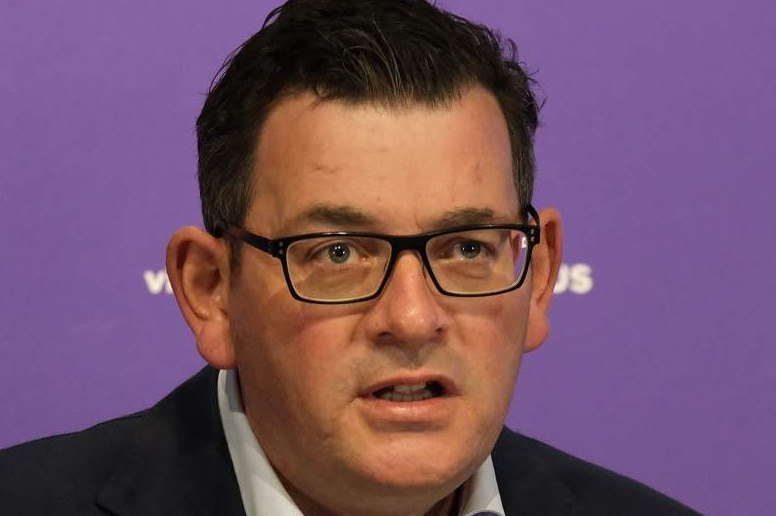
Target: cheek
pixel 513 321
pixel 296 360
pixel 493 342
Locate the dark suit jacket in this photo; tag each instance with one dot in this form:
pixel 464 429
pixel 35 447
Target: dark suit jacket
pixel 173 460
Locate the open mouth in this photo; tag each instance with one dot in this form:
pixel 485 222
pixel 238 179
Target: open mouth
pixel 414 392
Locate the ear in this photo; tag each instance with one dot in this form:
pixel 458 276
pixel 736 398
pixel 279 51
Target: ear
pixel 198 268
pixel 545 264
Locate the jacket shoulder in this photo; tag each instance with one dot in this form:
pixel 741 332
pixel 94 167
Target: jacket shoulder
pixel 528 467
pixel 67 474
pixel 51 475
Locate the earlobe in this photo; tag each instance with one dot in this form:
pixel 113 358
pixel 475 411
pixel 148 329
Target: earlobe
pixel 545 264
pixel 197 265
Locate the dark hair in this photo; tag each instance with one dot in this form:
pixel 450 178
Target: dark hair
pixel 394 52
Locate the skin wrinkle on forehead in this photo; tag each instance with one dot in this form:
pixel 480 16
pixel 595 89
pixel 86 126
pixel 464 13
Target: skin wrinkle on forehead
pixel 311 103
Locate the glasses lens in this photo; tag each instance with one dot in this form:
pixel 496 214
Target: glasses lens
pixel 479 261
pixel 337 268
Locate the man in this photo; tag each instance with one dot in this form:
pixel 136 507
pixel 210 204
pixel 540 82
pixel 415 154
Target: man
pixel 371 274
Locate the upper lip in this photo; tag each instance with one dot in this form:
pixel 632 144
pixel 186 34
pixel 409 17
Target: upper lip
pixel 447 383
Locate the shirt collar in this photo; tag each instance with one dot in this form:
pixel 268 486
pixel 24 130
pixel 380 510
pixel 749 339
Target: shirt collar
pixel 264 495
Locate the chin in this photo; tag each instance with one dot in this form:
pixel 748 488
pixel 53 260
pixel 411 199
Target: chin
pixel 422 468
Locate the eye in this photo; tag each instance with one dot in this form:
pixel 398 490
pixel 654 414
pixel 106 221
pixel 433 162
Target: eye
pixel 338 252
pixel 470 246
pixel 469 249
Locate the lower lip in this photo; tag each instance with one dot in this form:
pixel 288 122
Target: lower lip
pixel 407 415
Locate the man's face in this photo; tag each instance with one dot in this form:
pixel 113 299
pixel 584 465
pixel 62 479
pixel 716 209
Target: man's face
pixel 309 373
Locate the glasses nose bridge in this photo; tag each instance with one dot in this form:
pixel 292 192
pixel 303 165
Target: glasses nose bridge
pixel 399 244
pixel 409 243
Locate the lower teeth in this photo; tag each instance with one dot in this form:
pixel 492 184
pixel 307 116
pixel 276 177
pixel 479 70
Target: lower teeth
pixel 398 396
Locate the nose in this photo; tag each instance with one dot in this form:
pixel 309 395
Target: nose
pixel 408 310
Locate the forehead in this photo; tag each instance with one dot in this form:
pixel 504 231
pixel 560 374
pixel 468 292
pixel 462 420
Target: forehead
pixel 394 169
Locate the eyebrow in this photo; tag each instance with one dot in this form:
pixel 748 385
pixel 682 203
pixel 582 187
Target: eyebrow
pixel 468 217
pixel 334 215
pixel 343 217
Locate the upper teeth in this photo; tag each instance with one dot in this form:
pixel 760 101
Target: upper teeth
pixel 408 389
pixel 406 392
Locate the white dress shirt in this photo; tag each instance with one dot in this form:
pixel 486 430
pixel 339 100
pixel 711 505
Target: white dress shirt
pixel 264 495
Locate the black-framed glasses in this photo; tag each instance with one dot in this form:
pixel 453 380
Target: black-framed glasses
pixel 347 267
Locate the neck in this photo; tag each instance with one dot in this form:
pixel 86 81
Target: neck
pixel 448 506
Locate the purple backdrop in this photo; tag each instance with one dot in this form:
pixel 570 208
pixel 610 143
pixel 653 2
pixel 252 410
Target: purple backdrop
pixel 656 141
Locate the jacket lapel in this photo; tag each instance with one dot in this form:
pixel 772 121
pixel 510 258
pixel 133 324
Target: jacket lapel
pixel 177 462
pixel 528 485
